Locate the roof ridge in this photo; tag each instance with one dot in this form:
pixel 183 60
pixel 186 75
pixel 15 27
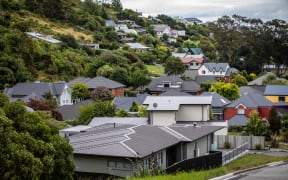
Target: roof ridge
pixel 132 131
pixel 174 133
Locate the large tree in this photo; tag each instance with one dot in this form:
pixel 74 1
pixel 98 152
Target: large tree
pixel 230 91
pixel 30 148
pixel 255 125
pixel 174 66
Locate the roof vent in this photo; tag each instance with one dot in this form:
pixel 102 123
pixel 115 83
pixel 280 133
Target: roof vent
pixel 155 105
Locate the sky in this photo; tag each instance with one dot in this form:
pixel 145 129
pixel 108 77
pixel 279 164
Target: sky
pixel 210 10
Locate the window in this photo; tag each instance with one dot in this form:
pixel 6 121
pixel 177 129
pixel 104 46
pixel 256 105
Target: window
pixel 119 165
pixel 213 72
pixel 111 164
pixel 146 163
pixel 281 98
pixel 221 72
pixel 159 158
pixel 241 111
pixel 197 64
pixel 203 72
pixel 167 85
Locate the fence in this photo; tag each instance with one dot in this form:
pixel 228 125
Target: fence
pixel 231 155
pixel 214 159
pixel 236 141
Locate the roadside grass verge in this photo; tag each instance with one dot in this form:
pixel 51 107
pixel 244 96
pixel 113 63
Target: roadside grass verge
pixel 245 162
pixel 283 146
pixel 155 70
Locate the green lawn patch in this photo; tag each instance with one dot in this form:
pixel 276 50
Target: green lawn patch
pixel 245 162
pixel 155 70
pixel 282 146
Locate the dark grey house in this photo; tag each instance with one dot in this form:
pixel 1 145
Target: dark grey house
pixel 166 83
pixel 120 149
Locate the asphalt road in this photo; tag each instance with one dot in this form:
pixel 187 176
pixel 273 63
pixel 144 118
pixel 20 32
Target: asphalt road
pixel 271 172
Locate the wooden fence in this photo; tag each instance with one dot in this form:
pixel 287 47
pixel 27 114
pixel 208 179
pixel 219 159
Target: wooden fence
pixel 236 141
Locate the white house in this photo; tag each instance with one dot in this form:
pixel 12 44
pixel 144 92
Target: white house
pixel 123 27
pixel 214 69
pixel 161 29
pixel 37 90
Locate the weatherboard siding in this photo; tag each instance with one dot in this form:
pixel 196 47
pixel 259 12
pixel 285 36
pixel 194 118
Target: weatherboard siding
pixel 275 99
pixel 163 118
pixel 193 113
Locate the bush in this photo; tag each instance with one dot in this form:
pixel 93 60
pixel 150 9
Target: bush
pixel 227 145
pixel 274 143
pixel 258 146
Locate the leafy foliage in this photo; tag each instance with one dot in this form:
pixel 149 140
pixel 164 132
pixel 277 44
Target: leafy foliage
pixel 230 91
pixel 174 66
pixel 255 125
pixel 274 121
pixel 79 90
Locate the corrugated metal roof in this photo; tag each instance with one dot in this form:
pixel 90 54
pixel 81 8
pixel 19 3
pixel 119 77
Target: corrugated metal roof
pixel 276 90
pixel 96 121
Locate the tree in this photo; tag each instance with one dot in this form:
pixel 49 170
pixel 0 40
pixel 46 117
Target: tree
pixel 117 5
pixel 142 111
pixel 134 107
pixel 239 80
pixel 101 93
pixel 174 66
pixel 230 91
pixel 79 90
pixel 98 109
pixel 255 125
pixel 139 78
pixel 30 149
pixel 274 121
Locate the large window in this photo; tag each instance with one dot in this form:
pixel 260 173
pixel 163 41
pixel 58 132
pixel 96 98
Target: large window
pixel 281 98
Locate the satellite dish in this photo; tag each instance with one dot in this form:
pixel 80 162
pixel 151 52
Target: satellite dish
pixel 155 105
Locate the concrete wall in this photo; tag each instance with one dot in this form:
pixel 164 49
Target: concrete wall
pixel 94 164
pixel 162 118
pixel 193 113
pixel 236 141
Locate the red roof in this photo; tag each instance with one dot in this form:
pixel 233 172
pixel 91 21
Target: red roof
pixel 189 60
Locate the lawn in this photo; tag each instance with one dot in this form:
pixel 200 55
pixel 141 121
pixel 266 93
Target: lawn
pixel 283 146
pixel 155 70
pixel 247 161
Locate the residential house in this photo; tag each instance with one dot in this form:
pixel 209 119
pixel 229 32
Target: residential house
pixel 276 93
pixel 37 90
pixel 282 69
pixel 123 27
pixel 245 104
pixel 217 70
pixel 124 38
pixel 218 104
pixel 165 83
pixel 194 20
pixel 125 103
pixel 115 88
pixel 138 47
pixel 120 149
pixel 91 45
pixel 47 38
pixel 161 29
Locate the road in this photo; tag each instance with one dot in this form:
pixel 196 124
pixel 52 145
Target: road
pixel 272 172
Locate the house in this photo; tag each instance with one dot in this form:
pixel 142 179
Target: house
pixel 91 45
pixel 123 27
pixel 47 38
pixel 25 91
pixel 121 149
pixel 125 103
pixel 217 70
pixel 115 88
pixel 218 104
pixel 161 29
pixel 281 69
pixel 165 83
pixel 276 93
pixel 167 110
pixel 194 20
pixel 192 64
pixel 138 47
pixel 246 103
pixel 124 38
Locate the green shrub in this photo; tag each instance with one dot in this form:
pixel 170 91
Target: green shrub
pixel 258 146
pixel 227 145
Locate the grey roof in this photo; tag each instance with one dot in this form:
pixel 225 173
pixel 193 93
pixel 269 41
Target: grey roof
pixel 259 80
pixel 137 46
pixel 25 91
pixel 276 90
pixel 217 99
pixel 119 140
pixel 185 86
pixel 71 112
pixel 238 120
pixel 205 79
pixel 216 66
pixel 47 38
pixel 96 82
pixel 252 89
pixel 251 100
pixel 164 103
pixel 174 92
pixel 125 103
pixel 160 27
pixel 231 71
pixel 195 132
pixel 96 121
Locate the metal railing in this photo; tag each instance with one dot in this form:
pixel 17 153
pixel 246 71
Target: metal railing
pixel 233 154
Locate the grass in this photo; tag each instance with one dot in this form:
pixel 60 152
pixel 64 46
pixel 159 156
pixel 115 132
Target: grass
pixel 155 70
pixel 282 146
pixel 245 162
